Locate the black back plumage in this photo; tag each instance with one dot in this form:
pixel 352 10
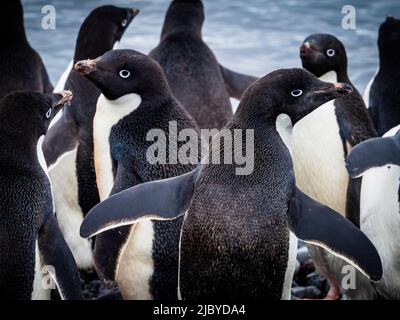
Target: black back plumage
pixel 384 95
pixel 21 66
pixel 191 68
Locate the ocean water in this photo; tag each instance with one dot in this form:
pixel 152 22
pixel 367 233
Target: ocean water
pixel 253 36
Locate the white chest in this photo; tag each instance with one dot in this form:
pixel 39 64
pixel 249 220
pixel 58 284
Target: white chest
pixel 108 114
pixel 319 158
pixel 380 221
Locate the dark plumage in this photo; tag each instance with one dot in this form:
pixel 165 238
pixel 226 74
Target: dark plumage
pixel 21 66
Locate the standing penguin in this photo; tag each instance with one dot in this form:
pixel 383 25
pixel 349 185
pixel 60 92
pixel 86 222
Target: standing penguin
pixel 239 233
pixel 21 67
pixel 135 100
pixel 32 246
pixel 378 162
pixel 383 93
pixel 68 146
pixel 193 72
pixel 322 141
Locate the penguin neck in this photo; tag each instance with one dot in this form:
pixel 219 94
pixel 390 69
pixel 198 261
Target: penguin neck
pixel 336 76
pixel 12 29
pixel 24 152
pixel 389 61
pixel 184 17
pixel 90 45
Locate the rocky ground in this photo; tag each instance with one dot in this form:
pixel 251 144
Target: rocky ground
pixel 307 284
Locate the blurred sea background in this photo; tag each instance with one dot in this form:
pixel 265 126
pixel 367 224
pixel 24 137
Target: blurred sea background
pixel 253 36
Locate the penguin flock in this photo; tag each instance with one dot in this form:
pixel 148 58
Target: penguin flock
pixel 81 198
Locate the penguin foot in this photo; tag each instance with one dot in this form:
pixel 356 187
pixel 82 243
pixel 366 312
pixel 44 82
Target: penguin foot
pixel 333 293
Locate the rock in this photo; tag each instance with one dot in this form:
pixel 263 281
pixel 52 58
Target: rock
pixel 302 254
pixel 309 292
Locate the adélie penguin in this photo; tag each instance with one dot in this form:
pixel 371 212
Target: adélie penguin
pixel 68 145
pixel 21 66
pixel 322 141
pixel 383 92
pixel 33 249
pixel 136 102
pixel 196 78
pixel 239 235
pixel 378 162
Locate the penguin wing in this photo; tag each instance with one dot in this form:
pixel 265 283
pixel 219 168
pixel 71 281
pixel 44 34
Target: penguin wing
pixel 157 200
pixel 60 138
pixel 59 260
pixel 376 152
pixel 315 223
pixel 236 83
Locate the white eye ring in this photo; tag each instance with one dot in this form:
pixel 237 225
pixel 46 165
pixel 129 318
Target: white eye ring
pixel 297 93
pixel 48 113
pixel 124 23
pixel 330 52
pixel 124 74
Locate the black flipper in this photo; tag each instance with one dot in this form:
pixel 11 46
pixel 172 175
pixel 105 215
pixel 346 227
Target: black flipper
pixel 57 254
pixel 374 153
pixel 61 137
pixel 315 223
pixel 158 200
pixel 236 83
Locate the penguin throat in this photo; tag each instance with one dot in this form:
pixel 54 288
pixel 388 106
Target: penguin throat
pixel 330 76
pixel 284 127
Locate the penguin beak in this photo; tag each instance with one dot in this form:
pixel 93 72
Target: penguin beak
pixel 66 97
pixel 307 49
pixel 135 12
pixel 85 66
pixel 335 90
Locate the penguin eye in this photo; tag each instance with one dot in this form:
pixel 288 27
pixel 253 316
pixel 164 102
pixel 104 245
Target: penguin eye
pixel 330 52
pixel 296 93
pixel 48 113
pixel 124 23
pixel 124 74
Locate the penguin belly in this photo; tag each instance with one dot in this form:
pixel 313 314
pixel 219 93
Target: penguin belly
pixel 68 211
pixel 136 264
pixel 319 165
pixel 319 159
pixel 290 267
pixel 39 291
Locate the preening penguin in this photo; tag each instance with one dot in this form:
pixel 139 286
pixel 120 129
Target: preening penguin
pixel 196 78
pixel 378 162
pixel 32 246
pixel 135 101
pixel 383 94
pixel 21 66
pixel 68 146
pixel 239 234
pixel 323 139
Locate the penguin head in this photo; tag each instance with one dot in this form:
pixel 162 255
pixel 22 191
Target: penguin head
pixel 23 112
pixel 389 37
pixel 321 53
pixel 103 27
pixel 121 72
pixel 184 16
pixel 295 92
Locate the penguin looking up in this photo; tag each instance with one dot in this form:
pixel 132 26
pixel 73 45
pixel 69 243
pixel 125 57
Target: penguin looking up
pixel 196 78
pixel 378 162
pixel 136 99
pixel 322 141
pixel 382 95
pixel 21 66
pixel 31 243
pixel 68 146
pixel 239 235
